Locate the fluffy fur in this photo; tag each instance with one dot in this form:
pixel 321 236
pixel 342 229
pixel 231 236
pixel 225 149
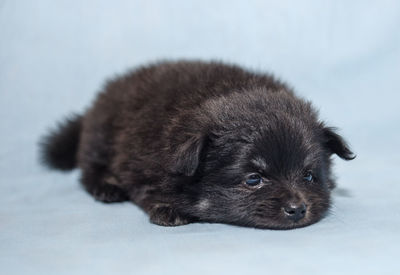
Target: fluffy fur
pixel 180 139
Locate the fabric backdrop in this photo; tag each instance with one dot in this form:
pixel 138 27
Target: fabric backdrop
pixel 55 56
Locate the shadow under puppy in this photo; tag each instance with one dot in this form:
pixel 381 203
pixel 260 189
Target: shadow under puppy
pixel 209 142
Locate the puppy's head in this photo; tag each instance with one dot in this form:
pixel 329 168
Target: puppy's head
pixel 271 171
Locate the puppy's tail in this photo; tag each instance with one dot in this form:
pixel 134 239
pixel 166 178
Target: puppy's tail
pixel 59 148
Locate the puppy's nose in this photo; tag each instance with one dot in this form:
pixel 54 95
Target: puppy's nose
pixel 295 211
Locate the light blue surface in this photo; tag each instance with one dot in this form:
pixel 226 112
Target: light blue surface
pixel 55 55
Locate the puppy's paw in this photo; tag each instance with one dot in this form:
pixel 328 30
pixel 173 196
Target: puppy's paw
pixel 109 194
pixel 166 216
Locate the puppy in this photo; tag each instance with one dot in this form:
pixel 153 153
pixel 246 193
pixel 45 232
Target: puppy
pixel 202 142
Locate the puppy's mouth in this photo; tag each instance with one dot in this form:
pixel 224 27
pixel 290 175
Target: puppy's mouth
pixel 286 225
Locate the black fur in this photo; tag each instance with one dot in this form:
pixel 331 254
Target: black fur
pixel 180 138
pixel 61 145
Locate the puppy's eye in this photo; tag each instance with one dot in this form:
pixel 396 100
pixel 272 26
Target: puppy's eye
pixel 253 179
pixel 308 177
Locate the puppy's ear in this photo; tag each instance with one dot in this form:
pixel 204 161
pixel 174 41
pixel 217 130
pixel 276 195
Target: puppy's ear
pixel 336 144
pixel 186 157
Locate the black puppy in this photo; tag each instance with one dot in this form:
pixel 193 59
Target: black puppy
pixel 194 141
